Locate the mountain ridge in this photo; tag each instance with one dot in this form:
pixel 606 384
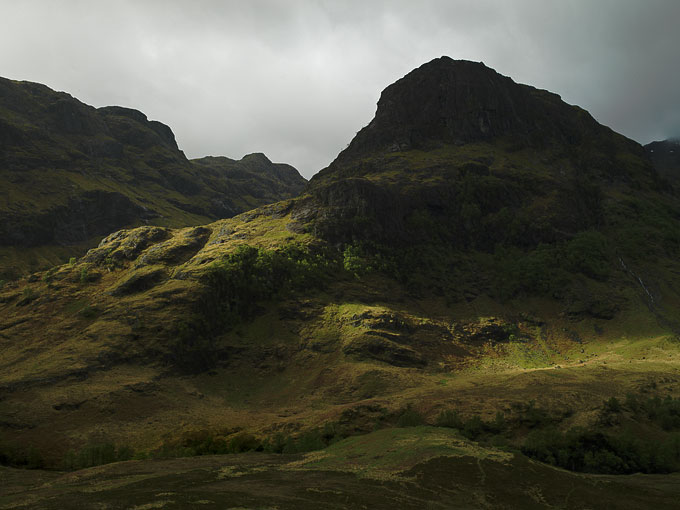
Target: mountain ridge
pixel 458 102
pixel 71 172
pixel 549 165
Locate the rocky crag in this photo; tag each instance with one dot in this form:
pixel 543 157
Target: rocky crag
pixel 665 155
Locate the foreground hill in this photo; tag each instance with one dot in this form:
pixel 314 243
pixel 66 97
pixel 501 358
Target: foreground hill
pixel 71 173
pixel 398 468
pixel 482 257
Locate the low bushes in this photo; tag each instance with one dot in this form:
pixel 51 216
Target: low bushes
pixel 234 287
pixel 641 434
pixel 597 451
pixel 96 454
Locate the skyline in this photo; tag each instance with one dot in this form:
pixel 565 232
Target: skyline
pixel 296 80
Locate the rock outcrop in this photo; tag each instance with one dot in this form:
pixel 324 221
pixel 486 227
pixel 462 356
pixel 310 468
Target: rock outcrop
pixel 460 102
pixel 461 155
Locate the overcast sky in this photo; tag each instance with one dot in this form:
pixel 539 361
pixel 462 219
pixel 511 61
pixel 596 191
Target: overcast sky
pixel 296 79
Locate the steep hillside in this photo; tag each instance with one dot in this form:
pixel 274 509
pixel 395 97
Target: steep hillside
pixel 70 173
pixel 514 278
pixel 480 159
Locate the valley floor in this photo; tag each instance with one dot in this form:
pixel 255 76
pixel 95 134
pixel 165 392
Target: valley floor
pixel 412 468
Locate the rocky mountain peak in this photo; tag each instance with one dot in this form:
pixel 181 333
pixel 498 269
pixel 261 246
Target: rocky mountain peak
pixel 462 147
pixel 458 102
pixel 132 131
pixel 256 157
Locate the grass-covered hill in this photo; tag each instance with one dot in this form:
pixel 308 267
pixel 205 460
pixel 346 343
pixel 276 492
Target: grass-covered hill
pixel 407 468
pixel 512 282
pixel 71 173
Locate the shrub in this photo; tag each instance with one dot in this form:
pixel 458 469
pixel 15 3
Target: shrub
pixel 499 424
pixel 332 432
pixel 610 413
pixel 473 427
pixel 15 456
pixel 352 259
pixel 89 312
pixel 449 418
pixel 593 451
pixel 532 416
pixel 410 417
pixel 70 460
pixel 633 402
pixel 34 459
pixel 539 271
pixel 276 444
pixel 48 276
pixel 235 284
pixel 232 289
pixel 28 295
pixel 244 442
pixel 588 253
pixel 665 412
pixel 96 454
pixel 310 441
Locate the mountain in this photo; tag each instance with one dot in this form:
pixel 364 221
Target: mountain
pixel 482 258
pixel 71 173
pixel 457 143
pixel 665 156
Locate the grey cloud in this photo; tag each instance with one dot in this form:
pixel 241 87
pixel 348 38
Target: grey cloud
pixel 297 79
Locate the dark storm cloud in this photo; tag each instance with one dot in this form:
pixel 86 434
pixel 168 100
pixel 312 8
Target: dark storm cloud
pixel 297 79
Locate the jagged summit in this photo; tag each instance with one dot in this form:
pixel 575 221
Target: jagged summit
pixel 271 177
pixel 457 102
pixel 482 159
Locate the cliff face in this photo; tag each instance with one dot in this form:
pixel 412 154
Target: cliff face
pixel 250 181
pixel 665 155
pixel 459 102
pixel 70 173
pixel 461 154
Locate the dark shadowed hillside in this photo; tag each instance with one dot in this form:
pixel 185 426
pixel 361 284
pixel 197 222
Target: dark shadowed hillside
pixel 71 173
pixel 481 159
